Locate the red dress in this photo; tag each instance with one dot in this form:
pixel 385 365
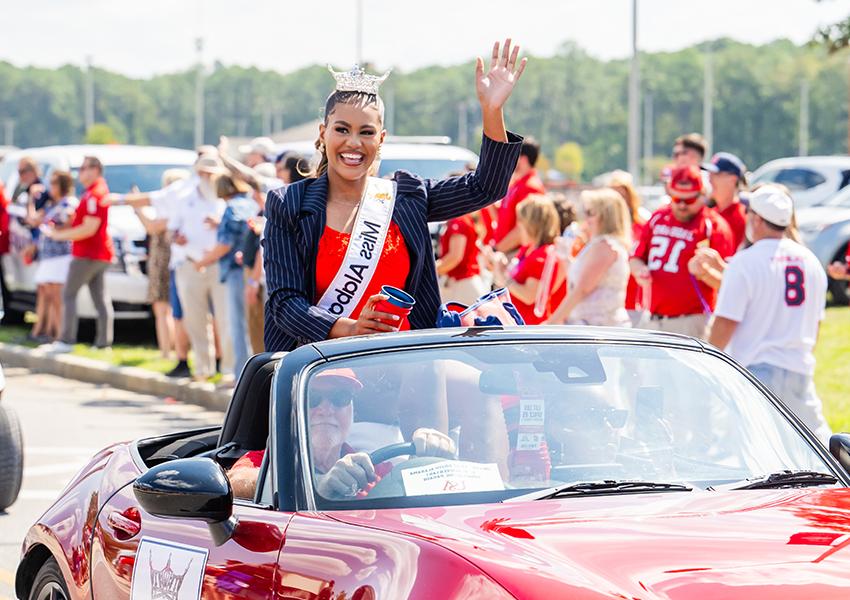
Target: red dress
pixel 393 266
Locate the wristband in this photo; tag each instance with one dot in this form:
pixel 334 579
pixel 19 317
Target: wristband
pixel 253 282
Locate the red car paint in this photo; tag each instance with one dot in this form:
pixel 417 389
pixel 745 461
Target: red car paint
pixel 729 544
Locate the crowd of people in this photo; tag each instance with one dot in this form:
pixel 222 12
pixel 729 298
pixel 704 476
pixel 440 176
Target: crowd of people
pixel 246 257
pixel 717 261
pixel 206 284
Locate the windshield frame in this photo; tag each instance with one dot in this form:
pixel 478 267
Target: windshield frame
pixel 310 500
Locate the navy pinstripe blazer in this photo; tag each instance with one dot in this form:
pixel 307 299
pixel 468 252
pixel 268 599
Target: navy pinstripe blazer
pixel 296 221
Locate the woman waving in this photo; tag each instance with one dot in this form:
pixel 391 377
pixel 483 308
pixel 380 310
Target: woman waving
pixel 333 240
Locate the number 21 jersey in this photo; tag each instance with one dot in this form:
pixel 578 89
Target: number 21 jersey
pixel 666 245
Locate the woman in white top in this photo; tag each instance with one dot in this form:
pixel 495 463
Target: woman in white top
pixel 597 277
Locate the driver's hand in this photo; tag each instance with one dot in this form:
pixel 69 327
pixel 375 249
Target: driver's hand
pixel 430 442
pixel 350 474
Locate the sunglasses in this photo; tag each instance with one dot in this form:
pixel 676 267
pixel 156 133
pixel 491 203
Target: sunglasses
pixel 339 398
pixel 24 171
pixel 687 201
pixel 589 212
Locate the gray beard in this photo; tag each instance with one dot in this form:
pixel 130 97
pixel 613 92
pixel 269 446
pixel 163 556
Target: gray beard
pixel 207 189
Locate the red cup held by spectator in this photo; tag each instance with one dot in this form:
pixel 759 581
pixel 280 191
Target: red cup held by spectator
pixel 398 302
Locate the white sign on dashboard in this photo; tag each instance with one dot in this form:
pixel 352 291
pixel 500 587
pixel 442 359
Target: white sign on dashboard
pixel 167 570
pixel 451 477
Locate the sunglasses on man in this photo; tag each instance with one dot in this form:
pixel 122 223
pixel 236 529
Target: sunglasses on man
pixel 339 398
pixel 687 201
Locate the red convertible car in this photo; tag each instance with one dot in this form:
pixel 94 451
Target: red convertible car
pixel 481 463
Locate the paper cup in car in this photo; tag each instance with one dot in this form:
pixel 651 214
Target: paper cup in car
pixel 398 302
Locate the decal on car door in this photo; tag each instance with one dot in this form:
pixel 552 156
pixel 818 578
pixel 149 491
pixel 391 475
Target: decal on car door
pixel 167 570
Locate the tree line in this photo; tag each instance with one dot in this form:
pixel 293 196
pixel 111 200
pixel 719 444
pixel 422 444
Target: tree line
pixel 569 97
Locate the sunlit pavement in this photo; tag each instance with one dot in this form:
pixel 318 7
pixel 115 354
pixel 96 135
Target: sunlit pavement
pixel 64 422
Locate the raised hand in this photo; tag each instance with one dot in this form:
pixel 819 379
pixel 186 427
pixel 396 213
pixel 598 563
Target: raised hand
pixel 495 86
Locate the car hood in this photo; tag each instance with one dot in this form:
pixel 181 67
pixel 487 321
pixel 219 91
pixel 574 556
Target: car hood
pixel 736 544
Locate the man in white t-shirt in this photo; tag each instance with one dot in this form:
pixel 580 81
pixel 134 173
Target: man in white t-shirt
pixel 771 303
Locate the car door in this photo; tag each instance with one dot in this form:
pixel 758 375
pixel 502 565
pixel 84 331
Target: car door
pixel 179 560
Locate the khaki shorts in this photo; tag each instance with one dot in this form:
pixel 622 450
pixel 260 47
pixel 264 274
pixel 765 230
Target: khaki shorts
pixel 693 325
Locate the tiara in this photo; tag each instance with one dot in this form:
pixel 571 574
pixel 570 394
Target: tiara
pixel 356 80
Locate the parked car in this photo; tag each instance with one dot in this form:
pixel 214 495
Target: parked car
pixel 11 448
pixel 586 463
pixel 811 179
pixel 825 229
pixel 125 167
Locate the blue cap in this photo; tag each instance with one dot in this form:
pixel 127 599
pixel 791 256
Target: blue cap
pixel 725 162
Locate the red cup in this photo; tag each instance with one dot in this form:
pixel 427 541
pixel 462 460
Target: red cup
pixel 398 303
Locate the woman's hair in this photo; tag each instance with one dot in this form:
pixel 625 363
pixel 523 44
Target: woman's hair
pixel 227 186
pixel 540 218
pixel 169 176
pixel 613 213
pixel 64 181
pixel 623 179
pixel 360 99
pixel 566 209
pixel 296 165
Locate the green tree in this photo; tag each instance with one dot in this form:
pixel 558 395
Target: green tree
pixel 100 133
pixel 569 160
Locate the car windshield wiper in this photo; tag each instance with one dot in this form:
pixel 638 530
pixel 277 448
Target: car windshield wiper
pixel 607 486
pixel 779 479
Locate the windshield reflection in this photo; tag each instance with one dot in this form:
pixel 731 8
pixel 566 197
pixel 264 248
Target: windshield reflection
pixel 493 421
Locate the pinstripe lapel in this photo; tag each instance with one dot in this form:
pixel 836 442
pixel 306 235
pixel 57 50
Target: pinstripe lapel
pixel 405 220
pixel 315 195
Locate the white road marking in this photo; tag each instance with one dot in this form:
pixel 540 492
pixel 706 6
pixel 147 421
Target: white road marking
pixel 39 494
pixel 59 451
pixel 53 469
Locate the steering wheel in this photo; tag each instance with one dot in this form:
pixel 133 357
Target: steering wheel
pixel 385 453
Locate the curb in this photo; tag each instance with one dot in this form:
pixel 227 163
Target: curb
pixel 132 379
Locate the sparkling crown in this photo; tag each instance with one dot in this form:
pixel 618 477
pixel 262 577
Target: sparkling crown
pixel 356 80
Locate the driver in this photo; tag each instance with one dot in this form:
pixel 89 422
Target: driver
pixel 340 470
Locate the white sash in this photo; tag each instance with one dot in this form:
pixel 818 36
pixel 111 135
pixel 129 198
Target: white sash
pixel 364 249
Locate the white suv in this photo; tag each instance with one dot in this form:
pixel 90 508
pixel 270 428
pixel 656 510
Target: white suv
pixel 124 167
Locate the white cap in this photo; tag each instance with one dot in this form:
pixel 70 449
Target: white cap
pixel 260 145
pixel 773 205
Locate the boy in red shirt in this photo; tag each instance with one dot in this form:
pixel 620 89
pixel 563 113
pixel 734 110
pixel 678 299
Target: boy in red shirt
pixel 523 183
pixel 92 255
pixel 678 303
pixel 726 176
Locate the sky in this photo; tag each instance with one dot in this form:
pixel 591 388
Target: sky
pixel 144 38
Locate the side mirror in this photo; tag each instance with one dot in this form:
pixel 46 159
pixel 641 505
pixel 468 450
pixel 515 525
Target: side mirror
pixel 839 447
pixel 189 488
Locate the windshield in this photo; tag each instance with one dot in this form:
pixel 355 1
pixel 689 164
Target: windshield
pixel 424 167
pixel 500 420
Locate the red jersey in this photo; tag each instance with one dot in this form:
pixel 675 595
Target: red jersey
pixel 489 218
pixel 633 292
pixel 93 204
pixel 530 266
pixel 735 216
pixel 392 268
pixel 521 189
pixel 468 266
pixel 666 245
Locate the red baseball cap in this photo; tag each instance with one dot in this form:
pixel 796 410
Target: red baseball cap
pixel 685 182
pixel 340 375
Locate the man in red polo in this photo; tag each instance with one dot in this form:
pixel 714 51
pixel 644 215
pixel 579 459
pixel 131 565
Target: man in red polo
pixel 523 183
pixel 678 302
pixel 92 254
pixel 726 174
